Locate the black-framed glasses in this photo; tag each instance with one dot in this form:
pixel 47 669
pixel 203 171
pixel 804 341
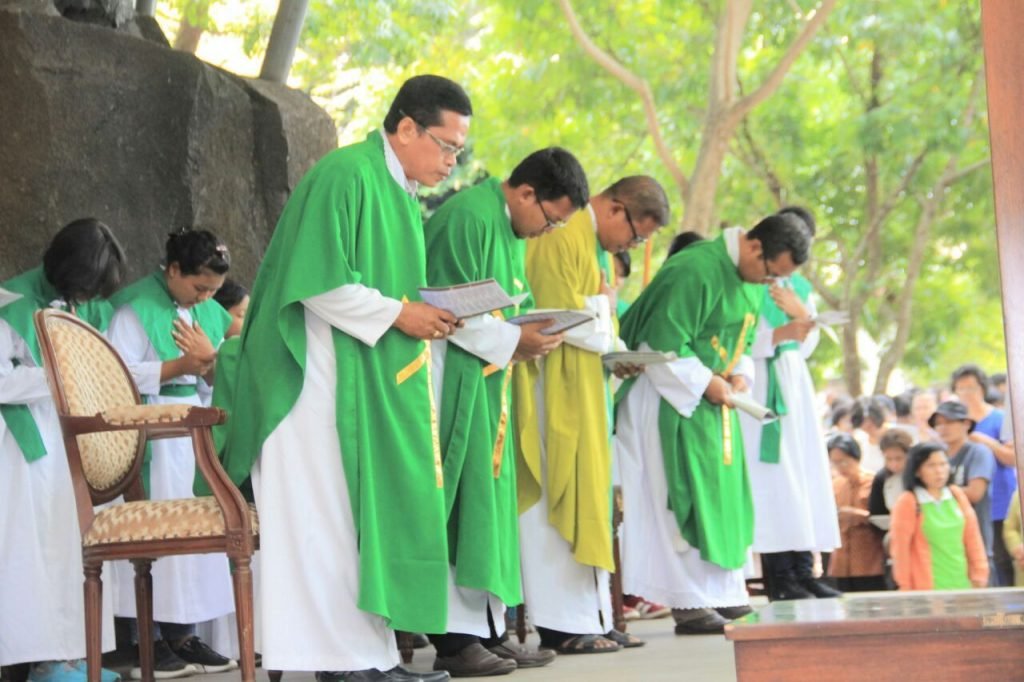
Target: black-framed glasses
pixel 447 148
pixel 553 224
pixel 637 240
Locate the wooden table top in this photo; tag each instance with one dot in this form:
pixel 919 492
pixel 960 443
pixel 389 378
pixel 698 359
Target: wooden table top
pixel 874 613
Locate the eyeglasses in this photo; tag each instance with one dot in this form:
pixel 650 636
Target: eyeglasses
pixel 447 148
pixel 637 240
pixel 553 224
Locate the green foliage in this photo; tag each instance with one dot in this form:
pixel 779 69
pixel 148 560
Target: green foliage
pixel 818 136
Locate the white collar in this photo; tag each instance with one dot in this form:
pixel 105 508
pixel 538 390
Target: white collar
pixel 924 497
pixel 395 167
pixel 593 216
pixel 732 243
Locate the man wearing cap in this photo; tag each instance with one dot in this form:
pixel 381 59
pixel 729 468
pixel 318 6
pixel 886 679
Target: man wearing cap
pixel 971 465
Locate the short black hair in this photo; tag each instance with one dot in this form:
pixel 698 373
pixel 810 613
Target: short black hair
pixel 643 196
pixel 804 215
pixel 681 241
pixel 626 261
pixel 84 261
pixel 917 456
pixel 845 443
pixel 997 378
pixel 424 98
pixel 780 233
pixel 553 173
pixel 970 370
pixel 196 250
pixel 841 409
pixel 230 294
pixel 901 403
pixel 868 407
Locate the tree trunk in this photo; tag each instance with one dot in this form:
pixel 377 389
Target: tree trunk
pixel 187 37
pixel 699 202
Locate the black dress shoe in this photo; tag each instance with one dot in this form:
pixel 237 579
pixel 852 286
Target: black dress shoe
pixel 734 612
pixel 371 675
pixel 698 622
pixel 819 589
pixel 789 588
pixel 475 661
pixel 400 674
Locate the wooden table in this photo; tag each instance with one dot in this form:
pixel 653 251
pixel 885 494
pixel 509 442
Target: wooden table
pixel 976 635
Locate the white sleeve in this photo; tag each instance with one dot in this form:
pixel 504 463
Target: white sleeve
pixel 357 310
pixel 597 336
pixel 129 338
pixel 681 382
pixel 811 342
pixel 23 383
pixel 488 338
pixel 746 369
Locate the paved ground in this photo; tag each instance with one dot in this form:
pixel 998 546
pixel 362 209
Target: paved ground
pixel 707 658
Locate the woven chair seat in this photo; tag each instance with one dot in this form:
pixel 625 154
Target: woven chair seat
pixel 148 520
pixel 137 415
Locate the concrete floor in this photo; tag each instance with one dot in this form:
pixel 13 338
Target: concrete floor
pixel 708 658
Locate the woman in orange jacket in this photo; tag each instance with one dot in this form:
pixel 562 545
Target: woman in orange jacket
pixel 935 541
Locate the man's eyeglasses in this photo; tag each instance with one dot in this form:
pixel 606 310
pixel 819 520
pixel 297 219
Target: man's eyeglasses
pixel 447 148
pixel 637 240
pixel 553 224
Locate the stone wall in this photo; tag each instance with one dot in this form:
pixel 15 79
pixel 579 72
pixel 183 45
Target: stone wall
pixel 107 123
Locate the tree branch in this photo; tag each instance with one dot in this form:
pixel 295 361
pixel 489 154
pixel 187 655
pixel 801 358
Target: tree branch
pixel 633 82
pixel 774 79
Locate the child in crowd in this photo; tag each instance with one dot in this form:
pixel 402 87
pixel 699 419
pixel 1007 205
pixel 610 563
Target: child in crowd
pixel 42 616
pixel 936 543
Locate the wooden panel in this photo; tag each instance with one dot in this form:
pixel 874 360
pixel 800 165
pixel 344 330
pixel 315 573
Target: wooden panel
pixel 1002 27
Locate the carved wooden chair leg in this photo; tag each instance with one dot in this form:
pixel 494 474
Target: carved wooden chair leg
pixel 521 623
pixel 274 675
pixel 144 614
pixel 617 615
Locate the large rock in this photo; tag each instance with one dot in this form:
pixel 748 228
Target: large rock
pixel 97 122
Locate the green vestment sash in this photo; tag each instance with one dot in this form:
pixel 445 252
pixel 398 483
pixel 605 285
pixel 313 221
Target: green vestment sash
pixel 563 271
pixel 470 238
pixel 698 307
pixel 771 433
pixel 349 222
pixel 37 293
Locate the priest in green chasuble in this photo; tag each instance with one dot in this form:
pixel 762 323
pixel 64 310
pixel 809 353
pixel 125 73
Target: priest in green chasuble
pixel 564 469
pixel 331 408
pixel 688 518
pixel 480 233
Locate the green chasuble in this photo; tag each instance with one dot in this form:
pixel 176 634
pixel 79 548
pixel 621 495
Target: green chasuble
pixel 37 293
pixel 771 434
pixel 698 307
pixel 468 239
pixel 563 271
pixel 349 222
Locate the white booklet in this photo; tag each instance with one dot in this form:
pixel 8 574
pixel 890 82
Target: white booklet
pixel 880 521
pixel 746 403
pixel 562 320
pixel 640 358
pixel 470 299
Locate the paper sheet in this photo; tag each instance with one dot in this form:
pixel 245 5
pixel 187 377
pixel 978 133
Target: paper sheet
pixel 470 299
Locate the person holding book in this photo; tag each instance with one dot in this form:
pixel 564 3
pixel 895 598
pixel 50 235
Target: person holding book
pixel 563 469
pixel 794 512
pixel 480 234
pixel 341 437
pixel 688 518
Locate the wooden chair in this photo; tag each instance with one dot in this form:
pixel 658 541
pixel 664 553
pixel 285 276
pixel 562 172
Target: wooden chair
pixel 106 428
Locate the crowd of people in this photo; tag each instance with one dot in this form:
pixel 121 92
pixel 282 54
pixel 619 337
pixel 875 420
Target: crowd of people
pixel 419 472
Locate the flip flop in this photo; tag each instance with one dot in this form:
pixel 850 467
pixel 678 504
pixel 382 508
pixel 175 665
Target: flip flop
pixel 624 639
pixel 585 644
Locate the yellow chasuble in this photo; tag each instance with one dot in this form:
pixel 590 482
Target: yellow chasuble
pixel 562 270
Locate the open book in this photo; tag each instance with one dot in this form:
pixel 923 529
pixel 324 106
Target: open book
pixel 562 320
pixel 746 403
pixel 640 358
pixel 470 299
